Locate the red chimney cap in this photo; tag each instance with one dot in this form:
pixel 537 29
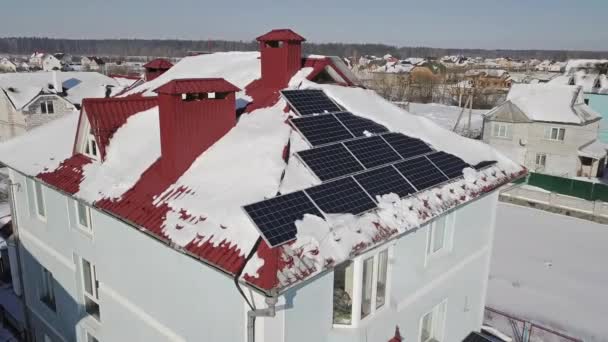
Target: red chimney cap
pixel 280 35
pixel 159 63
pixel 197 85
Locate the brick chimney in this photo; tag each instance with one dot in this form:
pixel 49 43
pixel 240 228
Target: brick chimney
pixel 156 67
pixel 281 57
pixel 194 114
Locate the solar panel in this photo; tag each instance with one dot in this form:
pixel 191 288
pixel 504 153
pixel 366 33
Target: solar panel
pixel 421 172
pixel 341 196
pixel 372 151
pixel 275 217
pixel 310 101
pixel 330 161
pixel 358 125
pixel 70 83
pixel 449 164
pixel 321 129
pixel 406 146
pixel 384 180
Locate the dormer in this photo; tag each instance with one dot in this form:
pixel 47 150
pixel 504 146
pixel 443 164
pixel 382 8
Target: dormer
pixel 281 57
pixel 193 114
pixel 156 67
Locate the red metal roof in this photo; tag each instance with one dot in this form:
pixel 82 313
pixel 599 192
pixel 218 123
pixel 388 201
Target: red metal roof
pixel 68 175
pixel 159 63
pixel 281 35
pixel 197 85
pixel 107 115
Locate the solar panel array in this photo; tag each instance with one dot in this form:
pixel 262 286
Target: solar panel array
pixel 354 167
pixel 310 101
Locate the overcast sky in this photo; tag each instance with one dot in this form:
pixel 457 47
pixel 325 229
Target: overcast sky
pixel 509 24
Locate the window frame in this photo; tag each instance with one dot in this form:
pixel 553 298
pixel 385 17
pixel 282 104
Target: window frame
pixel 39 197
pixel 497 126
pixel 44 107
pixel 543 157
pixel 47 289
pixel 548 134
pixel 90 337
pixel 449 222
pixel 357 318
pixel 94 296
pixel 88 229
pixel 436 322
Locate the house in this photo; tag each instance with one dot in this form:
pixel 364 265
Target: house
pixel 198 206
pixel 7 66
pixel 488 78
pixel 35 60
pixel 50 63
pixel 28 100
pixel 549 129
pixel 92 63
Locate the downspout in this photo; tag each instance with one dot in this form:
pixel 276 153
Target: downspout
pixel 17 243
pixel 271 301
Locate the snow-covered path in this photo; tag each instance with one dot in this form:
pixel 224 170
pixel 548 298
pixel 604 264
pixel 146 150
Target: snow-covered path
pixel 551 269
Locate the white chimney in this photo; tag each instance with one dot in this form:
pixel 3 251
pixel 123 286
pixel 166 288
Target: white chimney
pixel 56 86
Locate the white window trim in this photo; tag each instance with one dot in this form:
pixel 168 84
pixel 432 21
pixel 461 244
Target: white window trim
pixel 36 207
pixel 443 321
pixel 87 334
pixel 46 288
pixel 46 106
pixel 496 133
pixel 357 300
pixel 536 164
pixel 448 238
pixel 550 130
pixel 94 297
pixel 86 229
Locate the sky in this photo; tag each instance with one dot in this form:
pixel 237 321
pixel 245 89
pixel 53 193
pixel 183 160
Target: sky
pixel 489 24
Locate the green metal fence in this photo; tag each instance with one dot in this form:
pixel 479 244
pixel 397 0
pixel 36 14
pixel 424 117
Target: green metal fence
pixel 566 186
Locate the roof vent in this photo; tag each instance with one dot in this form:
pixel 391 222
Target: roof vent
pixel 156 67
pixel 281 57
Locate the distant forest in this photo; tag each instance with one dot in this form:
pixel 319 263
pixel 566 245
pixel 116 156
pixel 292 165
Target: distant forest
pixel 180 48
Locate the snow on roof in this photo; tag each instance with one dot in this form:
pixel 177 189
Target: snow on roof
pixel 202 210
pixel 238 68
pixel 23 87
pixel 575 64
pixel 595 149
pixel 551 103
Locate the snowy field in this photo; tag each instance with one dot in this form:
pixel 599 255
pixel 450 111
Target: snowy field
pixel 551 269
pixel 446 116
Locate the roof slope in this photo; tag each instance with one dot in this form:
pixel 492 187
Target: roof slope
pixel 201 211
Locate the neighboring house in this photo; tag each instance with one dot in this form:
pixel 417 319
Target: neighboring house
pixel 7 66
pixel 50 63
pixel 35 60
pixel 488 78
pixel 28 100
pixel 92 63
pixel 549 129
pixel 201 206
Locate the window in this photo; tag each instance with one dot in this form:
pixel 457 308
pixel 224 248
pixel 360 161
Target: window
pixel 432 324
pixel 46 107
pixel 365 278
pixel 47 289
pixel 83 215
pixel 500 130
pixel 39 200
pixel 541 160
pixel 90 148
pixel 438 237
pixel 90 289
pixel 555 133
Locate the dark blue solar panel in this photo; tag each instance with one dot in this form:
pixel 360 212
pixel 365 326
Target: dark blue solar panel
pixel 341 196
pixel 406 146
pixel 310 101
pixel 330 161
pixel 421 172
pixel 70 83
pixel 372 151
pixel 359 126
pixel 275 217
pixel 384 180
pixel 321 129
pixel 449 164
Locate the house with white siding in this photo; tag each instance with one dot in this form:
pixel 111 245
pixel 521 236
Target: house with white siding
pixel 253 196
pixel 50 63
pixel 28 100
pixel 549 129
pixel 7 66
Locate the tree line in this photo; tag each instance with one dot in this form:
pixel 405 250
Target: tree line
pixel 180 48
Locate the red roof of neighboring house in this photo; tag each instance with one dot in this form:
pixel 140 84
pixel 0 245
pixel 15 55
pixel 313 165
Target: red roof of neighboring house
pixel 107 115
pixel 197 85
pixel 159 63
pixel 281 35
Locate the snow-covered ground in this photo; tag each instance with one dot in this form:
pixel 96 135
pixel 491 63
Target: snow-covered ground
pixel 446 116
pixel 551 269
